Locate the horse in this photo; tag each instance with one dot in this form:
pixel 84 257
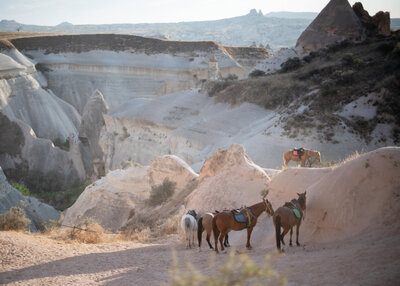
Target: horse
pixel 286 218
pixel 224 222
pixel 306 154
pixel 189 226
pixel 205 223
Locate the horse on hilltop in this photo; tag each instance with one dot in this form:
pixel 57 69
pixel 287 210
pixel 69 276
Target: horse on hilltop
pixel 224 222
pixel 288 216
pixel 300 155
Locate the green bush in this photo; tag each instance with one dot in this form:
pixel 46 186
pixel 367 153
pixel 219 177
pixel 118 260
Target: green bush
pixel 22 189
pixel 238 270
pixel 161 193
pixel 14 219
pixel 291 64
pixel 256 73
pixel 62 145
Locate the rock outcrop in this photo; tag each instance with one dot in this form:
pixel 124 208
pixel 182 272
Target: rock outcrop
pixel 335 23
pixel 379 24
pixel 38 212
pixel 89 133
pixel 36 161
pixel 121 196
pixel 23 96
pixel 228 179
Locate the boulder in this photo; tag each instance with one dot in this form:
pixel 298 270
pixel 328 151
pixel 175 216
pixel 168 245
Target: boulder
pixel 117 199
pixel 379 24
pixel 228 179
pixel 38 212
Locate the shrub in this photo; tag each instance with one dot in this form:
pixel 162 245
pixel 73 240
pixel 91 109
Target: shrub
pixel 231 77
pixel 22 189
pixel 348 59
pixel 291 64
pixel 238 270
pixel 256 73
pixel 88 231
pixel 14 219
pixel 161 193
pixel 62 145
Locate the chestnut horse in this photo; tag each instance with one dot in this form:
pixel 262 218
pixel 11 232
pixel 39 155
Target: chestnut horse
pixel 205 223
pixel 307 153
pixel 286 218
pixel 224 222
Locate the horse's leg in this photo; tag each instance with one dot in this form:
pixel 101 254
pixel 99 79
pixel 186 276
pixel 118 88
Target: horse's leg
pixel 193 231
pixel 303 161
pixel 285 231
pixel 226 241
pixel 221 239
pixel 208 240
pixel 291 233
pixel 249 230
pixel 297 233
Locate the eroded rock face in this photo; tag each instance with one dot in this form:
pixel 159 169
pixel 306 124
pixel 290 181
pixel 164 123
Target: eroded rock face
pixel 335 23
pixel 89 133
pixel 38 212
pixel 379 24
pixel 229 179
pixel 118 198
pixel 35 161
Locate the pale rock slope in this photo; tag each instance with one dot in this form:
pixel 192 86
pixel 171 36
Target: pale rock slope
pixel 38 212
pixel 23 96
pixel 36 161
pixel 192 126
pixel 124 67
pixel 118 198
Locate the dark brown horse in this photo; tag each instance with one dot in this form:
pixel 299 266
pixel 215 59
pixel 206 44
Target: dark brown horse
pixel 286 218
pixel 205 224
pixel 224 222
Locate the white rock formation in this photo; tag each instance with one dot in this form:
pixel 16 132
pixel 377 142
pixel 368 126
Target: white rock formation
pixel 116 198
pixel 23 97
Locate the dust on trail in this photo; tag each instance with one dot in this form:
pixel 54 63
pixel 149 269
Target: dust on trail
pixel 28 259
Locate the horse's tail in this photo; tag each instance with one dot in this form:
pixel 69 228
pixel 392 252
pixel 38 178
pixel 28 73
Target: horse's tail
pixel 278 231
pixel 200 231
pixel 215 231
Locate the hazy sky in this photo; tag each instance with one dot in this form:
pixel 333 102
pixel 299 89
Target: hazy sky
pixel 53 12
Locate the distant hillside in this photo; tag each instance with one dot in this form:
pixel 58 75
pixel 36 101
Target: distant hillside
pixel 395 23
pixel 247 30
pixel 292 15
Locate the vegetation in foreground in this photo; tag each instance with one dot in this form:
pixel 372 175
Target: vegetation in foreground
pixel 239 269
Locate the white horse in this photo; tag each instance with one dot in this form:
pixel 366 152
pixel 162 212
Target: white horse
pixel 189 227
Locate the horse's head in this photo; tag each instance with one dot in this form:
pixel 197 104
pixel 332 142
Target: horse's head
pixel 302 199
pixel 268 207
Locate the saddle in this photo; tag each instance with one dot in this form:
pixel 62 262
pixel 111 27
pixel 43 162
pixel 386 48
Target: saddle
pixel 298 152
pixel 295 210
pixel 244 215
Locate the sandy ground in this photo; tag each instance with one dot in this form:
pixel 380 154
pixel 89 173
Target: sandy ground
pixel 367 259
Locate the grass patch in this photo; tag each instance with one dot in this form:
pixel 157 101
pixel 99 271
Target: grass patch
pixel 63 199
pixel 14 219
pixel 22 189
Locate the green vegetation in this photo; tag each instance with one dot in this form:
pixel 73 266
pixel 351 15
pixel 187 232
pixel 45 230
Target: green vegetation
pixel 63 199
pixel 162 192
pixel 62 145
pixel 238 270
pixel 14 219
pixel 22 189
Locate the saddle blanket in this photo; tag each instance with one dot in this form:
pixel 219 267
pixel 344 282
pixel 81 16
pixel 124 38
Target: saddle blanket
pixel 297 213
pixel 239 217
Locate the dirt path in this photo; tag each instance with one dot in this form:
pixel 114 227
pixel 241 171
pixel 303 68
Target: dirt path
pixel 37 260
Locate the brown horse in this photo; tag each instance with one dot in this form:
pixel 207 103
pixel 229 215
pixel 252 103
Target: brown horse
pixel 307 154
pixel 224 222
pixel 205 223
pixel 286 218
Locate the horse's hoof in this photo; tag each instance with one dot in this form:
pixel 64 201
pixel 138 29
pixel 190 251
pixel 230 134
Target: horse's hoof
pixel 298 244
pixel 290 244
